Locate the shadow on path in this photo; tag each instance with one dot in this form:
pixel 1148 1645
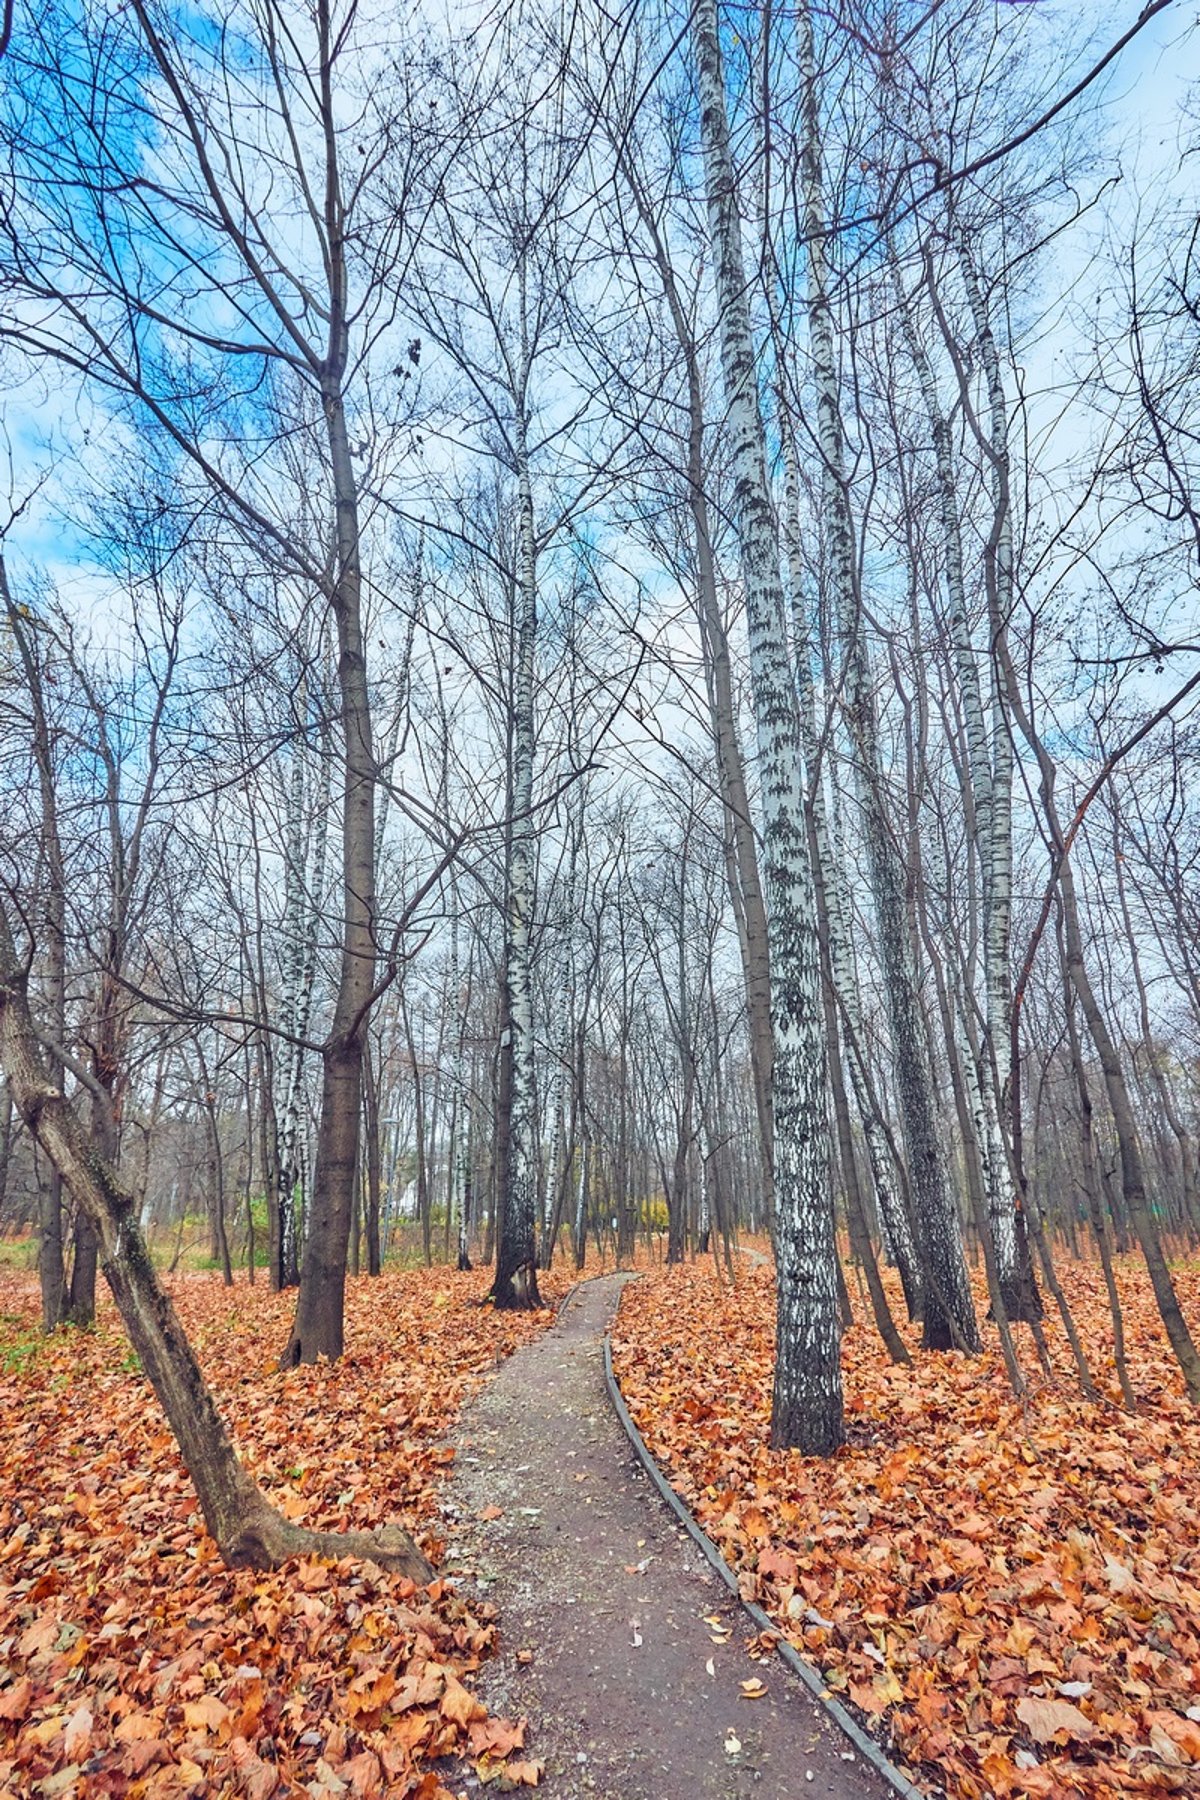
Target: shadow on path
pixel 594 1577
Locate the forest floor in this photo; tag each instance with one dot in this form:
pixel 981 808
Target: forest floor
pixel 642 1678
pixel 1009 1590
pixel 133 1664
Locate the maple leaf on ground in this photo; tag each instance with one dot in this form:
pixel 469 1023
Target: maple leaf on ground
pixel 460 1706
pixel 496 1738
pixel 368 1694
pixel 778 1565
pixel 208 1714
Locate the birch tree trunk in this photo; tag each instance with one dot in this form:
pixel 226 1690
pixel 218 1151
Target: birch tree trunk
pixel 807 1400
pixel 304 892
pixel 948 1310
pixel 837 954
pixel 745 883
pixel 1024 1302
pixel 285 1268
pixel 516 1263
pixel 833 901
pixel 989 804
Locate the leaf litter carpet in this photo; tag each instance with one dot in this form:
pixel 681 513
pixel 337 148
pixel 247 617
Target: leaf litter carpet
pixel 1010 1593
pixel 133 1664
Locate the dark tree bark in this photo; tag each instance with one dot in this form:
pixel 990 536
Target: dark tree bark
pixel 56 1301
pixel 247 1529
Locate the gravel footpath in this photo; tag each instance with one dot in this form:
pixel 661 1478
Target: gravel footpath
pixel 618 1642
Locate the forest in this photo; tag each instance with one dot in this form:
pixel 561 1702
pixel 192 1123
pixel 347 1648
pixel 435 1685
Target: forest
pixel 599 860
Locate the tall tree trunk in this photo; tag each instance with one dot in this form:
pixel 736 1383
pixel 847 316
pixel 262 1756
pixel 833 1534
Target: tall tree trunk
pixel 299 917
pixel 51 1264
pixel 742 866
pixel 807 1400
pixel 987 793
pixel 948 1310
pixel 373 1190
pixel 319 1323
pixel 516 1261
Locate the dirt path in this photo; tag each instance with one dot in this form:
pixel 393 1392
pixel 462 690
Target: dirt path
pixel 594 1577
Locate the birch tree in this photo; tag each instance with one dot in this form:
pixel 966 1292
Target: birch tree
pixel 947 1309
pixel 807 1403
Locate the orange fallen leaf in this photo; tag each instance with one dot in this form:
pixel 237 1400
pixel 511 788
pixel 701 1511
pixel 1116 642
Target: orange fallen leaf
pixel 1045 1719
pixel 527 1773
pixel 459 1705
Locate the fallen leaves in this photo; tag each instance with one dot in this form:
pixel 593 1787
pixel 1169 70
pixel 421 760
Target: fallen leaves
pixel 1049 1719
pixel 134 1665
pixel 1009 1593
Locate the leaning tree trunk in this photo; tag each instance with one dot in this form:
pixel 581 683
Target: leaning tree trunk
pixel 516 1262
pixel 1133 1172
pixel 247 1529
pixel 1090 1173
pixel 807 1401
pixel 948 1310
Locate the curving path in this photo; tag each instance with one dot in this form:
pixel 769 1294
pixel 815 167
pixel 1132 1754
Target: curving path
pixel 596 1579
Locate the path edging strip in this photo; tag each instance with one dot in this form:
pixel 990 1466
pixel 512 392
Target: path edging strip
pixel 840 1715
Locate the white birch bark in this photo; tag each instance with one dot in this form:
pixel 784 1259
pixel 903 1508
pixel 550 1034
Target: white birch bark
pixel 991 824
pixel 1019 1292
pixel 893 1216
pixel 516 1269
pixel 288 1060
pixel 304 887
pixel 807 1401
pixel 999 573
pixel 949 1317
pixel 561 1037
